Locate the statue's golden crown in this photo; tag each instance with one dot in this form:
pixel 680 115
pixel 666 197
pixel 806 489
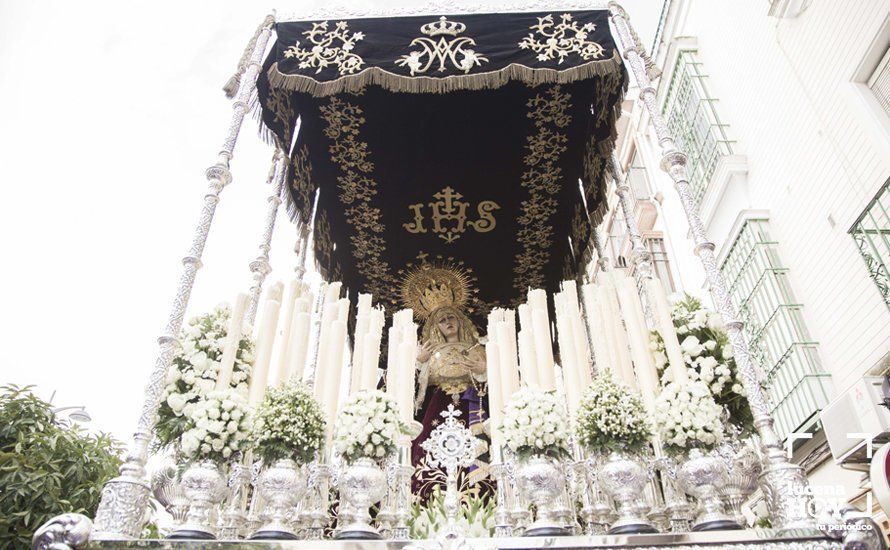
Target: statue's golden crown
pixel 429 287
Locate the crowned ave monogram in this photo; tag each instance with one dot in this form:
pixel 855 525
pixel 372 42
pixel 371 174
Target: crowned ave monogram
pixel 455 50
pixel 449 208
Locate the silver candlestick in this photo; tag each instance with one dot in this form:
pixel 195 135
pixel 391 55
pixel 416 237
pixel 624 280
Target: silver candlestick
pixel 503 526
pixel 315 514
pixel 404 473
pixel 233 518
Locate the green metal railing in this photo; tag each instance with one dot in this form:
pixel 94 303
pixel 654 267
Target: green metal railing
pixel 871 232
pixel 692 118
pixel 779 342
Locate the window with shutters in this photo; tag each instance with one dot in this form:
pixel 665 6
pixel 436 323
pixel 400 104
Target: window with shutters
pixel 780 344
pixel 879 82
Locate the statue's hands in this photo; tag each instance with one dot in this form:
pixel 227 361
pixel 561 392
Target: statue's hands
pixel 426 351
pixel 474 365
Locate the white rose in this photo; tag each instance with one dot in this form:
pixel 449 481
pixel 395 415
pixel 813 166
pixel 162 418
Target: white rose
pixel 176 402
pixel 691 346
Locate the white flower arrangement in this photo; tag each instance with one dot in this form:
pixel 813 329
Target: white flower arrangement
pixel 367 427
pixel 289 424
pixel 535 423
pixel 708 356
pixel 687 416
pixel 220 425
pixel 612 417
pixel 193 371
pixel 475 516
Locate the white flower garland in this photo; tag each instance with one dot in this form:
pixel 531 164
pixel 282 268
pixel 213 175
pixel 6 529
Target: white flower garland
pixel 535 423
pixel 289 424
pixel 220 426
pixel 367 426
pixel 612 417
pixel 686 416
pixel 192 374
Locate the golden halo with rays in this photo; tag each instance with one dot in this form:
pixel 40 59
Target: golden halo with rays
pixel 429 286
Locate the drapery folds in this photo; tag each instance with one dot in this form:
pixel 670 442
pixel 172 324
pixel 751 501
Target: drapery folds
pixel 450 138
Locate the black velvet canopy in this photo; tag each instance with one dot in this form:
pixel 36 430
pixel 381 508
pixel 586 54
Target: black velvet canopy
pixel 463 138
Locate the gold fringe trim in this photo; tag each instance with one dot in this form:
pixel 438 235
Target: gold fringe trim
pixel 426 84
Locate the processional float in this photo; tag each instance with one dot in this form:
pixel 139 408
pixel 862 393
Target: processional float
pixel 460 163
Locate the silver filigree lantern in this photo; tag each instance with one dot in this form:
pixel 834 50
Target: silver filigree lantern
pixel 205 487
pixel 542 482
pixel 704 476
pixel 361 485
pixel 281 486
pixel 624 479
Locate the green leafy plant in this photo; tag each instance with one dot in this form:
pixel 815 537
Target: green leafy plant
pixel 46 468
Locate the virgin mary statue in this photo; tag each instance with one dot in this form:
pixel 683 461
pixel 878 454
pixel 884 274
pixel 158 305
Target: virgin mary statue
pixel 450 366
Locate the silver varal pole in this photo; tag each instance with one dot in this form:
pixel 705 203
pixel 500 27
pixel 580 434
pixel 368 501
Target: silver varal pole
pixel 122 509
pixel 784 484
pixel 260 265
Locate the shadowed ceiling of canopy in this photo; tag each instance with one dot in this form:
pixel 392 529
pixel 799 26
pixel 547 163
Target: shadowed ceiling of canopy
pixel 481 140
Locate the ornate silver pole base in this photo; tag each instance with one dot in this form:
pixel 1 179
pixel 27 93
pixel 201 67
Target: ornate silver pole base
pixel 205 486
pixel 542 481
pixel 282 486
pixel 233 517
pixel 624 479
pixel 363 483
pixel 704 476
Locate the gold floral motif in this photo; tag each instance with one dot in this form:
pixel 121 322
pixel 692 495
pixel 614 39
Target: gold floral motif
pixel 550 113
pixel 580 242
pixel 304 187
pixel 456 50
pixel 559 40
pixel 324 248
pixel 357 187
pixel 279 102
pixel 449 208
pixel 332 47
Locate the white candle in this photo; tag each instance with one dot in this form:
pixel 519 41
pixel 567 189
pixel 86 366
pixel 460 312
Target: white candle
pixel 537 299
pixel 595 327
pixel 661 311
pixel 495 398
pixel 294 290
pixel 623 366
pixel 362 319
pixel 265 340
pixel 334 366
pixel 301 329
pixel 543 349
pixel 407 362
pixel 233 339
pixel 509 370
pixel 638 335
pixel 371 351
pixel 570 368
pixel 527 364
pixel 579 336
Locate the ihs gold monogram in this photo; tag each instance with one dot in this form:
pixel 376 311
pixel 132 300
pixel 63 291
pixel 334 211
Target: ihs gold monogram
pixel 449 216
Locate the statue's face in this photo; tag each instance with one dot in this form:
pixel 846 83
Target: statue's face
pixel 448 325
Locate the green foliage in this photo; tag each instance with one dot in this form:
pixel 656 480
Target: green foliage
pixel 46 468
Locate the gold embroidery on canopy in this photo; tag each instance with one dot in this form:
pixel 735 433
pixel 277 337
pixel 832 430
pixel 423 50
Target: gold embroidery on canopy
pixel 357 187
pixel 450 208
pixel 304 187
pixel 325 51
pixel 279 102
pixel 558 40
pixel 549 112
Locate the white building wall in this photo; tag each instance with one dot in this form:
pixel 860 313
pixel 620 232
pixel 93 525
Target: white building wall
pixel 815 159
